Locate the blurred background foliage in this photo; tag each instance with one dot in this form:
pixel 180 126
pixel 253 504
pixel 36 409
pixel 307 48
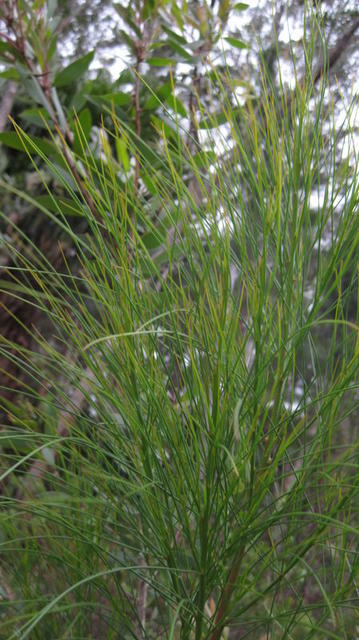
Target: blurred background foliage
pixel 67 67
pixel 70 70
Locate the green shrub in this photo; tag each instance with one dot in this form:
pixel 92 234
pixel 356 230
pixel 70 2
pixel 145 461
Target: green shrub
pixel 178 467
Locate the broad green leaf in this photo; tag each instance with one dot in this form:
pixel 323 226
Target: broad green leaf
pixel 161 62
pixel 224 8
pixel 11 139
pixel 33 88
pixel 187 57
pixel 241 6
pixel 161 94
pixel 85 120
pixel 122 153
pixel 74 71
pixel 79 100
pixel 127 15
pixel 55 203
pixel 10 74
pixel 149 6
pixel 176 12
pixel 127 38
pixel 52 48
pixel 59 110
pixel 82 130
pixel 239 44
pixel 120 98
pixel 126 76
pixel 39 117
pixel 177 106
pixel 6 47
pixel 158 45
pixel 149 184
pixel 51 8
pixel 174 35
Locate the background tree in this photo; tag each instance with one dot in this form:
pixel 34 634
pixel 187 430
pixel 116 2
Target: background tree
pixel 180 289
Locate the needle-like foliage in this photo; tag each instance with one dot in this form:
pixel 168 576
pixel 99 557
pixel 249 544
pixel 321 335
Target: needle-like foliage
pixel 184 466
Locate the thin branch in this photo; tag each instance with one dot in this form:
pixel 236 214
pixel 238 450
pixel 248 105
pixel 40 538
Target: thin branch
pixel 140 49
pixel 142 604
pixel 136 99
pixel 7 104
pixel 226 596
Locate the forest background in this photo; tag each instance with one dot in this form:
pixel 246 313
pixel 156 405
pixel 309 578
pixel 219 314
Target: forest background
pixel 179 293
